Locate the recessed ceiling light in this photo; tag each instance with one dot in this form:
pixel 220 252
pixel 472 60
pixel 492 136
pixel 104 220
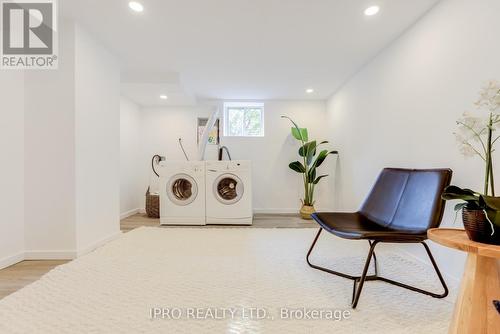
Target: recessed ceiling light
pixel 163 97
pixel 136 6
pixel 309 91
pixel 373 10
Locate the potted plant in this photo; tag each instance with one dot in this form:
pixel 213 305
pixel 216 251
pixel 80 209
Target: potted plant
pixel 312 158
pixel 477 136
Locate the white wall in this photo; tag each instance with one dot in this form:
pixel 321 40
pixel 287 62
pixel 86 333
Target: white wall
pixel 71 150
pixel 400 110
pixel 50 155
pixel 97 142
pixel 131 187
pixel 275 187
pixel 12 167
pixel 160 130
pixel 60 137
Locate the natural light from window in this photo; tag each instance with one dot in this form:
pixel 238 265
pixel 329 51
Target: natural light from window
pixel 243 119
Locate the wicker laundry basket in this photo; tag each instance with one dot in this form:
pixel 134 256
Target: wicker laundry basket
pixel 152 205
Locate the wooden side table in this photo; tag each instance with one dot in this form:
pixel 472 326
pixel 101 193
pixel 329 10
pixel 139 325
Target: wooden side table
pixel 474 309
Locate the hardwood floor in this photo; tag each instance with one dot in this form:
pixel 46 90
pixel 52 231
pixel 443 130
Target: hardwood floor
pixel 23 273
pixel 260 221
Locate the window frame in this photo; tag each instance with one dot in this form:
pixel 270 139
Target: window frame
pixel 246 106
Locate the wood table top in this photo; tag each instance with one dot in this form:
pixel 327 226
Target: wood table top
pixel 458 239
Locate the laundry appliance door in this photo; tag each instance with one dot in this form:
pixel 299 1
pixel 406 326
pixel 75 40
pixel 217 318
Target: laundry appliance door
pixel 228 189
pixel 182 189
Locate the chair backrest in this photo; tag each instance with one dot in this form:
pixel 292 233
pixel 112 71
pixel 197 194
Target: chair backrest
pixel 407 199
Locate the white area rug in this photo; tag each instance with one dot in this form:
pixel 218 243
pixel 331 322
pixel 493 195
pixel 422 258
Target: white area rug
pixel 113 289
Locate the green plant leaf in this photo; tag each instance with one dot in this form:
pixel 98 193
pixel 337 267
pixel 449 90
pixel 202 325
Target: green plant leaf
pixel 310 152
pixel 304 149
pixel 454 192
pixel 297 132
pixel 297 166
pixel 490 202
pixel 321 158
pixel 460 206
pixel 311 175
pixel 300 133
pixel 319 178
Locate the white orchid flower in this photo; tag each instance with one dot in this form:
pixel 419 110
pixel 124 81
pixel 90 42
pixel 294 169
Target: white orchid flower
pixel 467 150
pixel 489 96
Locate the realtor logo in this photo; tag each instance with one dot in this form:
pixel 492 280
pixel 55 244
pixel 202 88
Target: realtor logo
pixel 29 34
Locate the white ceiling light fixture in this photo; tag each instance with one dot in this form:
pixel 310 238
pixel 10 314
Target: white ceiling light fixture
pixel 163 97
pixel 136 6
pixel 372 10
pixel 309 91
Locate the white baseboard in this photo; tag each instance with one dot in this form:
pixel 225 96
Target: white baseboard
pixel 98 244
pixel 50 255
pixel 286 210
pixel 129 213
pixel 55 254
pixel 10 260
pixel 275 211
pixel 257 211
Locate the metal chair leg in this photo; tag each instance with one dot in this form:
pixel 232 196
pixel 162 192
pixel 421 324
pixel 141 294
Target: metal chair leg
pixel 333 272
pixel 415 289
pixel 312 247
pixel 374 259
pixel 436 268
pixel 362 279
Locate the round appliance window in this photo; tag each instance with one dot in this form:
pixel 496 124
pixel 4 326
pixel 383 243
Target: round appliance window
pixel 182 189
pixel 228 188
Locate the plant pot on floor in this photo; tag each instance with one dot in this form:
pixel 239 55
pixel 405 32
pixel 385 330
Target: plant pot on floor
pixel 306 211
pixel 478 228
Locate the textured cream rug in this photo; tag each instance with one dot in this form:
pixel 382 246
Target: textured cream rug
pixel 160 280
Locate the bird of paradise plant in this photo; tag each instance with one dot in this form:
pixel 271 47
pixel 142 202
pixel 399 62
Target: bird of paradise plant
pixel 311 160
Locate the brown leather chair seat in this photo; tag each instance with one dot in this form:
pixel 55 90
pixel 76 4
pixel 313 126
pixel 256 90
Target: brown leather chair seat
pixel 357 226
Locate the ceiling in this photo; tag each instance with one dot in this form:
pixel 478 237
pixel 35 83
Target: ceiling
pixel 241 49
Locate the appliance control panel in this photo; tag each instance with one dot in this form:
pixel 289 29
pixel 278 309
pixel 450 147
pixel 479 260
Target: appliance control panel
pixel 225 165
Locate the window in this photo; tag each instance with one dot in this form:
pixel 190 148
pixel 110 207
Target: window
pixel 243 119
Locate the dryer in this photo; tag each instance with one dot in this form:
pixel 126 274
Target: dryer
pixel 229 192
pixel 182 192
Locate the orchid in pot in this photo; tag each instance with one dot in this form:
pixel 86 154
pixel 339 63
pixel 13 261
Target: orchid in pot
pixel 477 135
pixel 312 158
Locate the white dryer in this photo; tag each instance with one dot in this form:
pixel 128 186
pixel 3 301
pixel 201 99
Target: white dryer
pixel 182 192
pixel 229 192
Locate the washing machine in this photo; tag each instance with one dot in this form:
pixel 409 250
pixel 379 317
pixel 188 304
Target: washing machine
pixel 229 192
pixel 182 192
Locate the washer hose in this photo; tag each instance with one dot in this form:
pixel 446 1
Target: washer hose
pixel 160 158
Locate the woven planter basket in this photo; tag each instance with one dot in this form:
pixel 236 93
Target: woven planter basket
pixel 152 205
pixel 478 228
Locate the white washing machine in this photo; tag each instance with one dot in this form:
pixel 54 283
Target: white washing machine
pixel 229 192
pixel 182 192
